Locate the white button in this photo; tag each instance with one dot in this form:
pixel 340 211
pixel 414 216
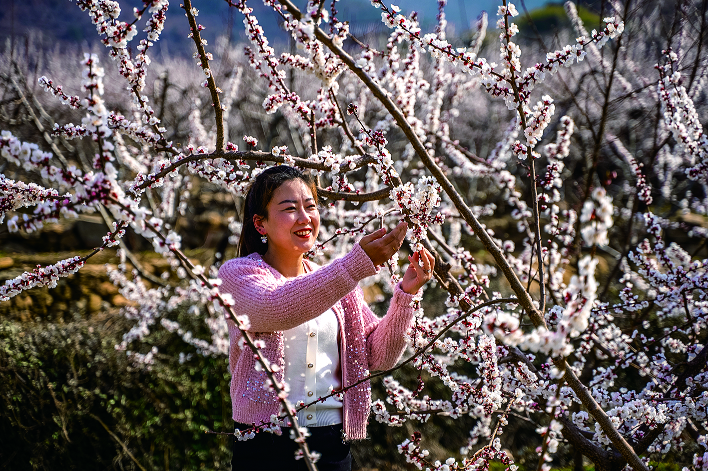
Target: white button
pixel 309 416
pixel 310 365
pixel 310 393
pixel 312 334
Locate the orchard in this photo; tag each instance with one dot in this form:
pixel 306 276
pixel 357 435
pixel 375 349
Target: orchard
pixel 560 180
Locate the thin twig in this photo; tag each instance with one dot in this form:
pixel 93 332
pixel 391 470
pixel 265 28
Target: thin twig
pixel 120 442
pixel 39 125
pixel 344 124
pixel 211 84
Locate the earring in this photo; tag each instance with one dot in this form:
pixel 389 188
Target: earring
pixel 264 239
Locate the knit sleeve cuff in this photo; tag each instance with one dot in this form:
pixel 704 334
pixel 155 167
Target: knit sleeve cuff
pixel 358 264
pixel 403 298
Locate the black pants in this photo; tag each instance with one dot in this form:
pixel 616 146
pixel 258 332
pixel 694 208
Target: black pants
pixel 270 452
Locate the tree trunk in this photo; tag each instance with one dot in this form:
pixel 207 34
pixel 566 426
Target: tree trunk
pixel 577 461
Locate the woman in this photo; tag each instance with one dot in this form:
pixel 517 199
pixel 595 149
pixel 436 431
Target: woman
pixel 313 322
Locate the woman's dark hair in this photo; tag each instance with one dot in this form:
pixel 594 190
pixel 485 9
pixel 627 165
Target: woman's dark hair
pixel 259 195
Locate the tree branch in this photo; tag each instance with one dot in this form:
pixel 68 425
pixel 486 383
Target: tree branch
pixel 211 84
pixel 120 442
pixel 523 297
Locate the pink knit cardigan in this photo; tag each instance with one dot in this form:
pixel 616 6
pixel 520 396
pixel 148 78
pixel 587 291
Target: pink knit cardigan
pixel 274 303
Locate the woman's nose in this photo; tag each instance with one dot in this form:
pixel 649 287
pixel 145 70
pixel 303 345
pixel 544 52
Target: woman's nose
pixel 302 216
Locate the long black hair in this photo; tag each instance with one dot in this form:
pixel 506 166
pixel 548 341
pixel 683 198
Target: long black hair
pixel 259 195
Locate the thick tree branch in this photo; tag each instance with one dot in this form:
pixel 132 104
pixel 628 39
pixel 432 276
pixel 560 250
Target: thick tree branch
pixel 523 297
pixel 336 195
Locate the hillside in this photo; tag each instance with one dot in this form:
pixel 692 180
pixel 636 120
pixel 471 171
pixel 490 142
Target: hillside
pixel 62 22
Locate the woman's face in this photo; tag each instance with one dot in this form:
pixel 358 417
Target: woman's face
pixel 293 220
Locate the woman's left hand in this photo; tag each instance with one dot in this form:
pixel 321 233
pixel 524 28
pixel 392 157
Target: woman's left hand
pixel 419 272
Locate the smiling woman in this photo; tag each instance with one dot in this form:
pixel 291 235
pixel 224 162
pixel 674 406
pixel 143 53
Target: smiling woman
pixel 313 324
pixel 290 227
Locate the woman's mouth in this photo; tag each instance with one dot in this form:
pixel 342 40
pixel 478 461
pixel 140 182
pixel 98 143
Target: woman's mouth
pixel 304 233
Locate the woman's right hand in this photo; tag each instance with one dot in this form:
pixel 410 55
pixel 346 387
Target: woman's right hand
pixel 380 246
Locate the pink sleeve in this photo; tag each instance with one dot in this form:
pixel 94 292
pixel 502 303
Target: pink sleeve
pixel 385 337
pixel 276 304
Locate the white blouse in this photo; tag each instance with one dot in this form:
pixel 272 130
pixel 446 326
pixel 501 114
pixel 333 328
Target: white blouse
pixel 312 369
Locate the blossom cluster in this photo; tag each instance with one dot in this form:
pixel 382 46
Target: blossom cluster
pixel 41 276
pixel 419 202
pixel 680 116
pixel 92 187
pixel 597 218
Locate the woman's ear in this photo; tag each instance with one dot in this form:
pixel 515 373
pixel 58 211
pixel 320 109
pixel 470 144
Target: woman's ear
pixel 258 224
